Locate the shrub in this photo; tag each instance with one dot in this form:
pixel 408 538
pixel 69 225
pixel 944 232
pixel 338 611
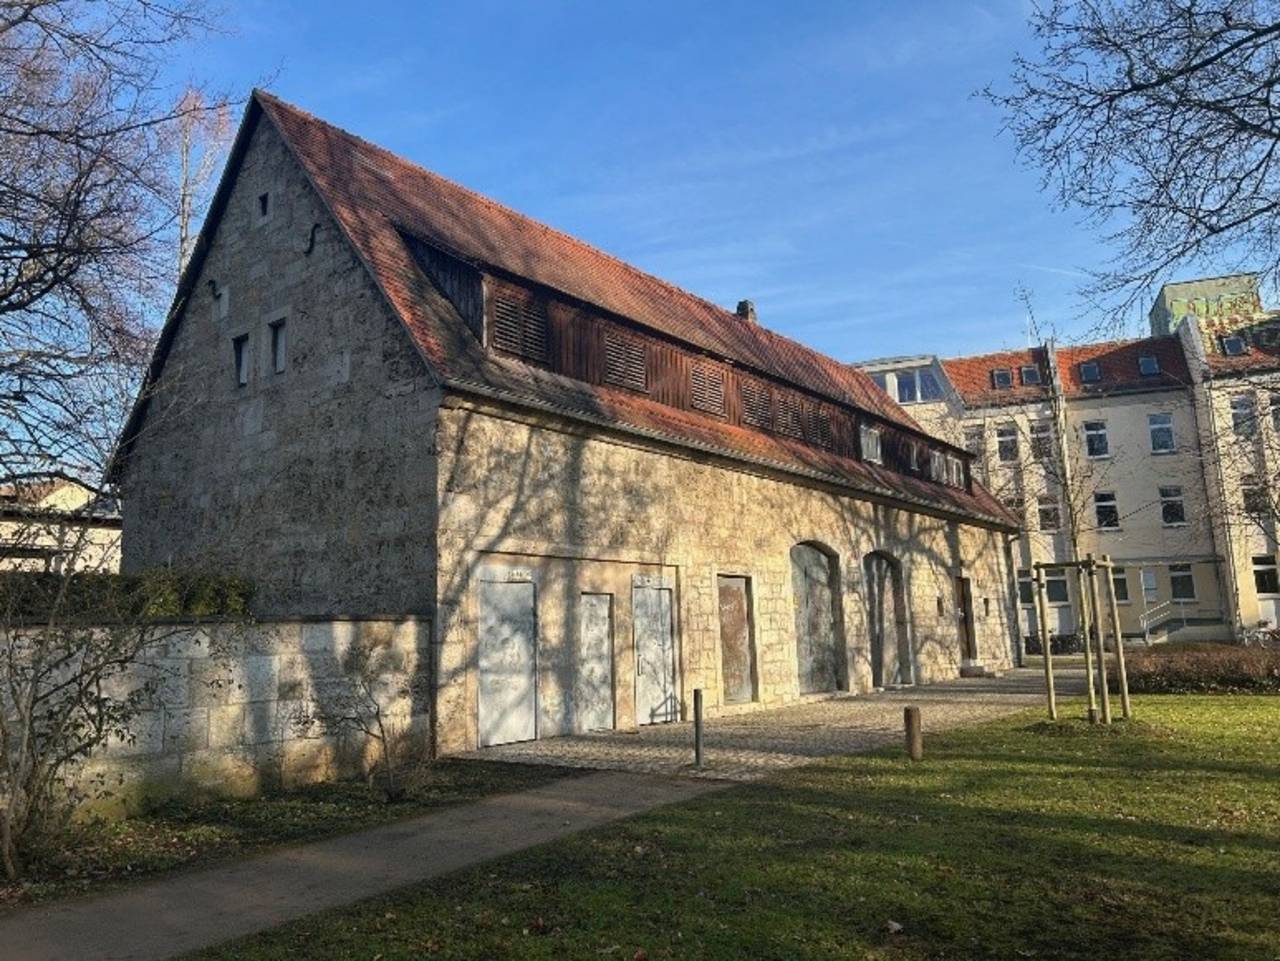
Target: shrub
pixel 101 598
pixel 1220 669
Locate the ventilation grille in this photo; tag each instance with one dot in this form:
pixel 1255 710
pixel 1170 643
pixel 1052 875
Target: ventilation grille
pixel 707 389
pixel 626 362
pixel 820 428
pixel 757 410
pixel 520 329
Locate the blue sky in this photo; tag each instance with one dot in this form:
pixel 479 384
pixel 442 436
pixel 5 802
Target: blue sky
pixel 826 160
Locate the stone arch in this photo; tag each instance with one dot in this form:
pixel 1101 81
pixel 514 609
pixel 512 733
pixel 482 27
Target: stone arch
pixel 821 662
pixel 888 627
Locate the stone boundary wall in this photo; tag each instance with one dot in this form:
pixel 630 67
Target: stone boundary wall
pixel 239 709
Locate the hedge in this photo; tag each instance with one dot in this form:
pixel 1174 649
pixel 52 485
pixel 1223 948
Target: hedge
pixel 1223 669
pixel 157 595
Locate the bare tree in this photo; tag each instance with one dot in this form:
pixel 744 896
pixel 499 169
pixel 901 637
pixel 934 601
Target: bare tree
pixel 100 168
pixel 1158 120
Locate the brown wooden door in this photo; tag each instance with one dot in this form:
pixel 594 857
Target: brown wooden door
pixel 737 653
pixel 964 618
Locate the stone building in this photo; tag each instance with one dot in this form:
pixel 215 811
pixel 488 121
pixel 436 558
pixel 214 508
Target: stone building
pixel 381 396
pixel 1148 450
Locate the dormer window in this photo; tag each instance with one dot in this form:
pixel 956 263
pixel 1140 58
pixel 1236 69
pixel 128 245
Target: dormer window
pixel 1148 365
pixel 1002 378
pixel 1233 345
pixel 1090 372
pixel 1030 375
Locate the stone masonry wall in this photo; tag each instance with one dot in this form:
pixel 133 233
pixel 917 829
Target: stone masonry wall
pixel 317 482
pixel 232 705
pixel 524 489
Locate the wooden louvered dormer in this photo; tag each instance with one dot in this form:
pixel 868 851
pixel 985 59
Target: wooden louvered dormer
pixel 626 361
pixel 706 387
pixel 518 325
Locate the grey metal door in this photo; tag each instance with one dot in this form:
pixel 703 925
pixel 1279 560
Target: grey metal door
pixel 593 679
pixel 737 654
pixel 879 586
pixel 656 700
pixel 817 652
pixel 507 659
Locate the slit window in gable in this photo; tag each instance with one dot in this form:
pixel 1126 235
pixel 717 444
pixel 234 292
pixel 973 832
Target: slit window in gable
pixel 626 362
pixel 519 329
pixel 706 389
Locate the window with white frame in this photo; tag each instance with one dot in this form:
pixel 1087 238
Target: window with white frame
pixel 1002 378
pixel 1266 577
pixel 917 385
pixel 1041 441
pixel 1050 513
pixel 1173 512
pixel 1055 585
pixel 1160 427
pixel 1026 588
pixel 870 437
pixel 1253 496
pixel 1150 589
pixel 1007 443
pixel 1182 583
pixel 955 471
pixel 1106 510
pixel 1233 345
pixel 1121 584
pixel 1095 439
pixel 1030 375
pixel 937 466
pixel 1244 415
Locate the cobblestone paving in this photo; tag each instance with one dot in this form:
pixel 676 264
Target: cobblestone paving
pixel 750 746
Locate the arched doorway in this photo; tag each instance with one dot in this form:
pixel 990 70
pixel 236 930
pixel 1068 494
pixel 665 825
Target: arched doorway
pixel 820 661
pixel 888 638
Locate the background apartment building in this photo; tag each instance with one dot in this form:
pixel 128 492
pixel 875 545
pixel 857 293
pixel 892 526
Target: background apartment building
pixel 1162 452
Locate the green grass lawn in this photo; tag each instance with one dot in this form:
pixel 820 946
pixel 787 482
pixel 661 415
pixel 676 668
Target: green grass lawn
pixel 1019 839
pixel 184 832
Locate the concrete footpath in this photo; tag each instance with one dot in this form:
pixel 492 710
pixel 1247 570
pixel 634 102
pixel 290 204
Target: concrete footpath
pixel 206 906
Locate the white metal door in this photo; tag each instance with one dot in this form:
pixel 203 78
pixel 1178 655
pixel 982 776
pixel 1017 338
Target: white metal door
pixel 656 700
pixel 593 678
pixel 507 662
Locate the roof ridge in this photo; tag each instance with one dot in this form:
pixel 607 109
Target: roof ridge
pixel 498 205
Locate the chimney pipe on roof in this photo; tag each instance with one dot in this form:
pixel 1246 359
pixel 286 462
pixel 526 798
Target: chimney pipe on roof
pixel 747 311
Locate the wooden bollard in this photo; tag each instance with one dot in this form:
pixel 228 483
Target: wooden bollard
pixel 915 735
pixel 697 728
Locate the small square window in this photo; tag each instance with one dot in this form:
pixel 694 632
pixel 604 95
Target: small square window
pixel 1233 345
pixel 1148 365
pixel 240 350
pixel 1002 378
pixel 279 359
pixel 1090 372
pixel 1030 375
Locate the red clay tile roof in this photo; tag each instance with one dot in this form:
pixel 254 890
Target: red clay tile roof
pixel 376 198
pixel 1260 331
pixel 971 377
pixel 1118 363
